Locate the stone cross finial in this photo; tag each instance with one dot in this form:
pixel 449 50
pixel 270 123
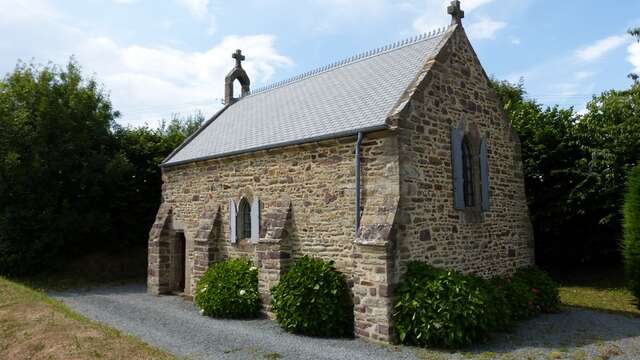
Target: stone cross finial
pixel 237 73
pixel 239 57
pixel 456 12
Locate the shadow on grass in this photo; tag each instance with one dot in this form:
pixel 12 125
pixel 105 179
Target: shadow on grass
pixel 603 277
pixel 91 271
pixel 630 314
pixel 596 309
pixel 571 328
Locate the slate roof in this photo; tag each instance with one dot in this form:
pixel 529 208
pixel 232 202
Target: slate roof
pixel 356 94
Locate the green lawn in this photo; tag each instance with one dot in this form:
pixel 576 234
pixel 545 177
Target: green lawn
pixel 597 288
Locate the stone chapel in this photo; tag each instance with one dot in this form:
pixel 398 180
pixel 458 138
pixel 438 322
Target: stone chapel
pixel 399 153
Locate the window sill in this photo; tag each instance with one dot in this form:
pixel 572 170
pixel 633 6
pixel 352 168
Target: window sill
pixel 472 215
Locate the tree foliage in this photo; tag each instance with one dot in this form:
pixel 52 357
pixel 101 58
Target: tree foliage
pixel 71 180
pixel 575 169
pixel 631 242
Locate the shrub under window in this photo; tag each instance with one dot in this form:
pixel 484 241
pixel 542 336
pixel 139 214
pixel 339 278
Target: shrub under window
pixel 312 298
pixel 229 289
pixel 443 308
pixel 440 308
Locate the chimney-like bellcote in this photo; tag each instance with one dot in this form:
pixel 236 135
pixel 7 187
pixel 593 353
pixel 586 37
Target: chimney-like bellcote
pixel 239 74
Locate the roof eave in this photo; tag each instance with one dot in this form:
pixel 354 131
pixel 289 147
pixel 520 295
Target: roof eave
pixel 192 136
pixel 279 145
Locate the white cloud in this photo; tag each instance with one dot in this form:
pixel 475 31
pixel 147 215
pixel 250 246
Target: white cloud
pixel 634 56
pixel 125 1
pixel 600 48
pixel 198 8
pixel 582 75
pixel 330 16
pixel 26 12
pixel 470 5
pixel 436 16
pixel 485 28
pixel 212 28
pixel 149 83
pixel 146 82
pixel 515 40
pixel 362 5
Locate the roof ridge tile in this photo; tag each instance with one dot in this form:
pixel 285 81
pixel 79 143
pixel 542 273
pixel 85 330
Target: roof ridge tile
pixel 352 59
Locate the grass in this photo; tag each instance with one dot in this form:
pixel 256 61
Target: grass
pixel 34 326
pixel 597 288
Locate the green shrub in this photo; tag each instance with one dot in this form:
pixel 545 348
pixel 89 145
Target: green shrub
pixel 631 242
pixel 546 297
pixel 441 308
pixel 229 289
pixel 519 297
pixel 312 298
pixel 499 313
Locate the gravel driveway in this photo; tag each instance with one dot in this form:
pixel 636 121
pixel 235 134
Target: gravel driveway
pixel 173 324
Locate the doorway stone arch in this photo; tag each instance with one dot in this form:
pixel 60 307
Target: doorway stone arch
pixel 169 266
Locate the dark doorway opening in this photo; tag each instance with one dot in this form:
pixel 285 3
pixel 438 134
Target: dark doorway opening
pixel 179 262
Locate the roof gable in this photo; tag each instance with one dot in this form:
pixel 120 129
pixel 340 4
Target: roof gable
pixel 353 95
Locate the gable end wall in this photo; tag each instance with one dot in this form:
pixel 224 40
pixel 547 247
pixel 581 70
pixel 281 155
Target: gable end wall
pixel 429 228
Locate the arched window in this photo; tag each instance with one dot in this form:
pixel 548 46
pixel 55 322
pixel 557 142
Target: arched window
pixel 244 219
pixel 467 174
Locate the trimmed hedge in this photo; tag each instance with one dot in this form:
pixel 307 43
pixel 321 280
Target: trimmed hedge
pixel 229 289
pixel 312 298
pixel 444 308
pixel 631 241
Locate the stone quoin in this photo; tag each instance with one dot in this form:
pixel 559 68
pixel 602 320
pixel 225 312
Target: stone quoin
pixel 412 132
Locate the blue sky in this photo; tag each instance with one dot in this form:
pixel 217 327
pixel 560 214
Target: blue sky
pixel 162 57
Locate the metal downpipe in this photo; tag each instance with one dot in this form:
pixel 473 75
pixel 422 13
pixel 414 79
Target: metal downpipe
pixel 357 165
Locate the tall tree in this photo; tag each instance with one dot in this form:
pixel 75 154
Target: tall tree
pixel 631 241
pixel 56 158
pixel 71 180
pixel 134 204
pixel 549 152
pixel 636 33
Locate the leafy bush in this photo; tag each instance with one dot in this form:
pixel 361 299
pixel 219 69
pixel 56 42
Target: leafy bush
pixel 312 298
pixel 229 289
pixel 545 295
pixel 519 297
pixel 443 308
pixel 499 312
pixel 631 242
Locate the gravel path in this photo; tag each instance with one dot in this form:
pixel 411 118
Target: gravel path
pixel 173 324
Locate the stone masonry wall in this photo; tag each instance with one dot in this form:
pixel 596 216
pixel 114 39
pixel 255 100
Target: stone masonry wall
pixel 429 228
pixel 307 196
